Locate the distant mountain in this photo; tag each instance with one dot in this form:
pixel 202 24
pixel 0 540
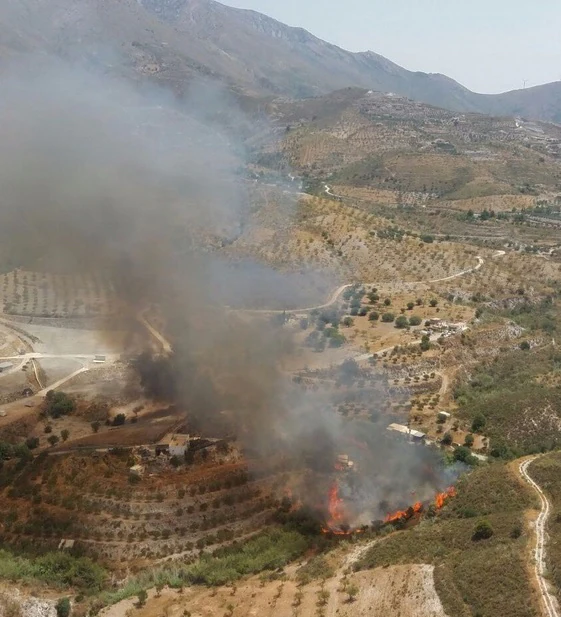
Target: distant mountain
pixel 174 40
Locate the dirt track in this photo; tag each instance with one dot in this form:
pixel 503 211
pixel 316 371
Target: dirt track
pixel 550 604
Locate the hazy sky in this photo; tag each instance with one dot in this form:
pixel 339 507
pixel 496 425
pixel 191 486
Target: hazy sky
pixel 487 45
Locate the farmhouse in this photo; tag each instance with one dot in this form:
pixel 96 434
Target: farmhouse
pixel 410 434
pixel 178 445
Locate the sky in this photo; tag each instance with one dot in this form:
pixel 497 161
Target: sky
pixel 488 46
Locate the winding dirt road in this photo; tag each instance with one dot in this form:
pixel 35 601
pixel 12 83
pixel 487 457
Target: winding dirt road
pixel 334 297
pixel 549 602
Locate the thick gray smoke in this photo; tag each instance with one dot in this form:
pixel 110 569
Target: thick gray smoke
pixel 97 177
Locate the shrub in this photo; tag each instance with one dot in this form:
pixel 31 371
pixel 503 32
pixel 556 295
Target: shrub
pixel 374 316
pixel 401 322
pixel 415 321
pixel 32 442
pixel 482 531
pixel 388 317
pixel 95 426
pixel 142 597
pixel 468 441
pixel 63 607
pixel 433 302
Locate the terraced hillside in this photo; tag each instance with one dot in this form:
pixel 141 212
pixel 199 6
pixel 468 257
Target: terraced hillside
pixel 93 500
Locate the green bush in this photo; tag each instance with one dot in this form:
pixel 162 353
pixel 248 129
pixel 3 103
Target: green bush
pixel 388 317
pixel 63 607
pixel 415 320
pixel 482 531
pixel 401 322
pixel 58 404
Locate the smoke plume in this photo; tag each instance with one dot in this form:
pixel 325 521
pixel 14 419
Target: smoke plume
pixel 98 177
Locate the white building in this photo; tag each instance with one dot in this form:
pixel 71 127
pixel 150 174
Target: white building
pixel 178 445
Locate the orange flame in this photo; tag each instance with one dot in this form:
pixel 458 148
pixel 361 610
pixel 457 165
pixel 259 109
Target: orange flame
pixel 335 508
pixel 441 498
pixel 396 516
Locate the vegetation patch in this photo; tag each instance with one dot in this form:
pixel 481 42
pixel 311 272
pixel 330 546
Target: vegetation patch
pixel 519 412
pixel 470 573
pixel 58 569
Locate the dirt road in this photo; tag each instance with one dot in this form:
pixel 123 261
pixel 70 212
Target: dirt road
pixel 337 292
pixel 549 601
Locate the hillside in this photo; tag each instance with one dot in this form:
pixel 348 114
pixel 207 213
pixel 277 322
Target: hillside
pixel 173 41
pixel 409 151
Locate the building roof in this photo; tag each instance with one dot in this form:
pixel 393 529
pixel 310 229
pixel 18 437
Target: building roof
pixel 400 428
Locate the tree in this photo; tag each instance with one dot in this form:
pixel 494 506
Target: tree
pixel 352 592
pixel 348 321
pixel 374 316
pixel 58 404
pixel 433 302
pixel 63 607
pixel 401 322
pixel 468 441
pixel 464 455
pixel 53 440
pixel 482 531
pixel 478 423
pixel 159 589
pixel 524 346
pixel 95 426
pixel 425 342
pixel 387 302
pixel 32 442
pixel 119 419
pixel 410 306
pixel 142 597
pixel 64 434
pixel 388 317
pixel 419 301
pixel 446 439
pixel 415 320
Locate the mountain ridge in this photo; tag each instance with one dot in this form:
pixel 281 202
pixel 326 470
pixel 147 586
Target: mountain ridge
pixel 174 41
